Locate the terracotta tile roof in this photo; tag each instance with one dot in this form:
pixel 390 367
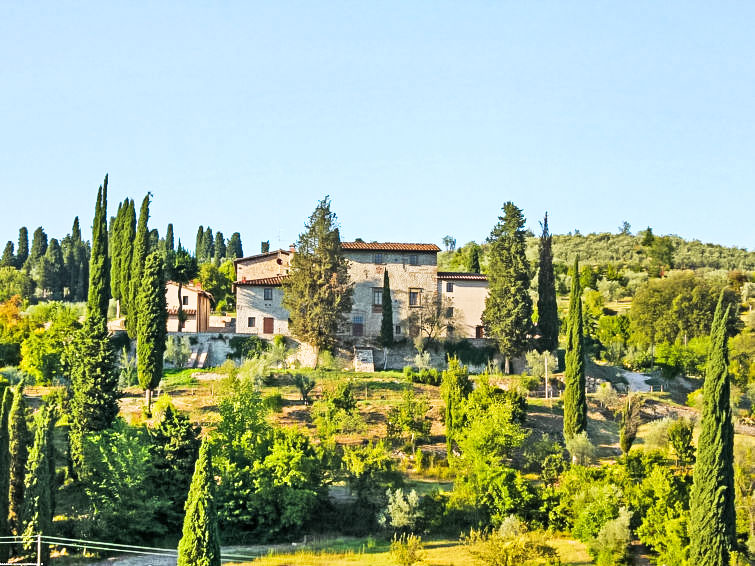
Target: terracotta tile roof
pixel 194 288
pixel 264 282
pixel 462 276
pixel 258 256
pixel 389 247
pixel 174 311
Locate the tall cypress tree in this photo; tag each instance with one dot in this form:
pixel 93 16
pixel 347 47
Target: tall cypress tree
pixel 151 329
pixel 220 248
pixel 52 270
pixel 94 381
pixel 141 247
pixel 508 308
pixel 547 309
pixel 38 246
pixel 18 442
pixel 386 324
pixel 198 245
pixel 116 252
pixel 9 259
pixel 575 400
pixel 127 235
pixel 234 249
pixel 169 243
pixel 712 523
pixel 37 510
pixel 208 245
pixel 200 543
pixel 4 470
pixel 22 250
pixel 474 259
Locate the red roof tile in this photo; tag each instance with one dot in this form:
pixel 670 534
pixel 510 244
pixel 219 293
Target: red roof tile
pixel 389 247
pixel 462 276
pixel 188 312
pixel 264 282
pixel 266 254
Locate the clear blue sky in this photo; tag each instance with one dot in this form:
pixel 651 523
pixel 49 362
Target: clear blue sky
pixel 418 118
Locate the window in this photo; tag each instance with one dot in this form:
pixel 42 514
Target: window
pixel 413 259
pixel 479 332
pixel 268 294
pixel 357 325
pixel 378 258
pixel 185 300
pixel 377 299
pixel 449 312
pixel 251 322
pixel 414 297
pixel 449 287
pixel 398 329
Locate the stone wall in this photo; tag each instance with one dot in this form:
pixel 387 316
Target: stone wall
pixel 251 303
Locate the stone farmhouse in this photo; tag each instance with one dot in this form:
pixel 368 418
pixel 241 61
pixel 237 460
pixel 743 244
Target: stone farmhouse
pixel 196 306
pixel 414 278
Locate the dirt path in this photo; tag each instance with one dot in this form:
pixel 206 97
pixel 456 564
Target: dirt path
pixel 636 381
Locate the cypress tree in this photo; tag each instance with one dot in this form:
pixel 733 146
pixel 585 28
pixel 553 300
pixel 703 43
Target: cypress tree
pixel 198 245
pixel 220 248
pixel 76 230
pixel 22 252
pixel 4 470
pixel 208 245
pixel 99 268
pixel 141 247
pixel 386 324
pixel 127 235
pixel 94 381
pixel 547 309
pixel 169 242
pixel 474 259
pixel 53 270
pixel 234 250
pixel 151 326
pixel 37 510
pixel 712 523
pixel 8 260
pixel 18 449
pixel 575 400
pixel 154 241
pixel 38 246
pixel 116 252
pixel 508 308
pixel 200 543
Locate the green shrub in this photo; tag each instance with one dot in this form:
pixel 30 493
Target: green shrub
pixel 246 347
pixel 407 550
pixel 273 402
pixel 177 351
pixel 468 353
pixel 581 449
pixel 610 546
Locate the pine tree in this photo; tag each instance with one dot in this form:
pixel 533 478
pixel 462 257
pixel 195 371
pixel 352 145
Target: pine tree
pixel 127 236
pixel 220 248
pixel 18 434
pixel 234 250
pixel 575 400
pixel 200 543
pixel 317 292
pixel 547 309
pixel 508 308
pixel 386 324
pixel 22 251
pixel 4 470
pixel 169 242
pixel 8 260
pixel 141 247
pixel 712 523
pixel 94 381
pixel 37 509
pixel 474 259
pixel 151 329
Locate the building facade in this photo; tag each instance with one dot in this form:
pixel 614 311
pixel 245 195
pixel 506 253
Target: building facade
pixel 412 273
pixel 196 307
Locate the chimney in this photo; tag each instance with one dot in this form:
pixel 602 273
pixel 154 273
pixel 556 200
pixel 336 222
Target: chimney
pixel 292 248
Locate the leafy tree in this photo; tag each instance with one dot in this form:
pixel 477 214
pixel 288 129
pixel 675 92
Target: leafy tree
pixel 174 449
pixel 38 506
pixel 234 249
pixel 680 437
pixel 8 259
pixel 138 259
pixel 5 468
pixel 317 292
pixel 305 385
pixel 449 242
pixel 434 316
pixel 408 421
pixel 215 281
pixel 22 251
pixel 19 450
pixel 386 323
pixel 151 327
pixel 38 246
pixel 182 268
pixel 455 388
pixel 547 309
pixel 712 516
pixel 575 400
pixel 508 308
pixel 15 282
